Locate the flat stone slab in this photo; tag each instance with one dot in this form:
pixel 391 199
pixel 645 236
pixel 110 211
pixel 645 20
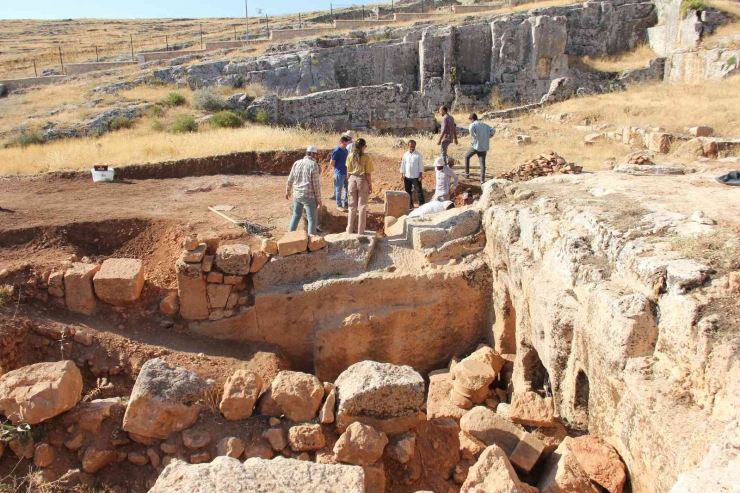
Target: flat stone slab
pixel 78 287
pixel 292 243
pixel 119 280
pixel 228 475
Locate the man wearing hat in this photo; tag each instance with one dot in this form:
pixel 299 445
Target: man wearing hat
pixel 304 182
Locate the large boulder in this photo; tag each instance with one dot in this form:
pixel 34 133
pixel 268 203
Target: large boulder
pixel 530 409
pixel 360 444
pixel 228 475
pixel 386 396
pixel 583 465
pixel 163 400
pixel 492 473
pixel 522 448
pixel 35 393
pixel 240 394
pixel 295 394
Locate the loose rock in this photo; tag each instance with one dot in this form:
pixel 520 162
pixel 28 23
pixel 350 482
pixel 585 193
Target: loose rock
pixel 240 394
pixel 360 444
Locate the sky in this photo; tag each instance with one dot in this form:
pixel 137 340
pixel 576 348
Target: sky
pixel 112 9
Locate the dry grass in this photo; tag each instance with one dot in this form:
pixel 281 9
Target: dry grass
pixel 636 58
pixel 727 36
pixel 671 106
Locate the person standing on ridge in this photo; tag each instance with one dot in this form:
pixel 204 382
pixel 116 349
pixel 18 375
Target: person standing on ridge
pixel 447 134
pixel 339 163
pixel 412 167
pixel 481 134
pixel 304 182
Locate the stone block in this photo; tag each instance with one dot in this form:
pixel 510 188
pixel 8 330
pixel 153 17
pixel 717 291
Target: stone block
pixel 233 259
pixel 194 255
pixel 259 259
pixel 207 263
pixel 306 437
pixel 397 228
pixel 78 287
pixel 191 289
pixel 240 394
pixel 439 404
pixel 233 280
pixel 528 408
pixel 215 277
pixel 701 131
pixel 212 241
pixel 396 203
pixel 270 247
pixel 316 242
pixel 659 142
pixel 119 281
pixel 292 243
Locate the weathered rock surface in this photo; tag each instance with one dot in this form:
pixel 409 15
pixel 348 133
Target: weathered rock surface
pixel 292 243
pixel 163 400
pixel 600 462
pixel 38 392
pixel 78 287
pixel 191 289
pixel 383 395
pixel 228 475
pixel 528 408
pixel 230 446
pixel 306 437
pixel 360 444
pixel 240 395
pixel 233 259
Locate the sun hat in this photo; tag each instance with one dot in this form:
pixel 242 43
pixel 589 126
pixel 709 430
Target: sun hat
pixel 349 134
pixel 311 149
pixel 439 162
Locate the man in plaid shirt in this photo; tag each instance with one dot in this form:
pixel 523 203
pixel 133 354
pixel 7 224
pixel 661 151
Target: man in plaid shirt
pixel 304 181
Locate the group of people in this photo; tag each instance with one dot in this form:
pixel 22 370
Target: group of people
pixel 353 169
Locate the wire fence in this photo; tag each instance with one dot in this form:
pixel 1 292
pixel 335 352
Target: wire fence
pixel 124 46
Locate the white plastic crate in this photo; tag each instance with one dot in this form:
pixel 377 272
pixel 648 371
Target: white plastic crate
pixel 106 175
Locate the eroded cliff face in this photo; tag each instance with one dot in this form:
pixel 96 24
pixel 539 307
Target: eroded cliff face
pixel 633 339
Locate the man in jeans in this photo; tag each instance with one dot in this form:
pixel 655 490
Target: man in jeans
pixel 412 166
pixel 339 163
pixel 447 134
pixel 304 181
pixel 481 134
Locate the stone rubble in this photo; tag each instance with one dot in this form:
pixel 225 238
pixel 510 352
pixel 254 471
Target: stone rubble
pixel 544 165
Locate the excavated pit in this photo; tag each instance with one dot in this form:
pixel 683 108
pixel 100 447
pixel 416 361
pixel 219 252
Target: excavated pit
pixel 553 283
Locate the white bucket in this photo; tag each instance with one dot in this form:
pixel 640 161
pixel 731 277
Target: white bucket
pixel 106 175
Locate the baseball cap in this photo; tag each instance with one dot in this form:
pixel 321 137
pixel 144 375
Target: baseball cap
pixel 440 161
pixel 349 134
pixel 311 149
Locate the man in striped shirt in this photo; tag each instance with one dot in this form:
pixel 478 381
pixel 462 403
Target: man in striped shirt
pixel 304 182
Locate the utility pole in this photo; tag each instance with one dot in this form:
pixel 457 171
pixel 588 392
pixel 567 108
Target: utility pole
pixel 393 11
pixel 60 58
pixel 132 47
pixel 97 58
pixel 166 43
pixel 331 11
pixel 201 35
pixel 267 20
pixel 234 32
pixel 246 15
pixel 300 24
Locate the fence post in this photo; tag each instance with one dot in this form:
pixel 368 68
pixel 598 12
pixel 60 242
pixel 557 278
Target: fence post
pixel 34 69
pixel 331 12
pixel 300 24
pixel 201 36
pixel 267 19
pixel 166 43
pixel 61 61
pixel 234 32
pixel 363 12
pixel 132 47
pixel 97 58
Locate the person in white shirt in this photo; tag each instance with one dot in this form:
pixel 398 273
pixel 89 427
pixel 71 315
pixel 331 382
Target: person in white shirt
pixel 412 167
pixel 442 188
pixel 481 134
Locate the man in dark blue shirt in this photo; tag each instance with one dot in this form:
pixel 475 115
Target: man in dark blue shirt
pixel 339 162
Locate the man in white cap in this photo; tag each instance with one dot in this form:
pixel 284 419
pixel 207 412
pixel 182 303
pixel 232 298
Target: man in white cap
pixel 443 174
pixel 304 182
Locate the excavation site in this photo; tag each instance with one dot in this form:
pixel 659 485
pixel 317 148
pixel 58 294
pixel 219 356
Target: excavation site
pixel 556 313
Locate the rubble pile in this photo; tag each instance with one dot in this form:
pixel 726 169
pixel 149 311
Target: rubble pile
pixel 543 165
pixel 641 158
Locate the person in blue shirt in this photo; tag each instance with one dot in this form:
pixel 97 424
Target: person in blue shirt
pixel 339 163
pixel 481 134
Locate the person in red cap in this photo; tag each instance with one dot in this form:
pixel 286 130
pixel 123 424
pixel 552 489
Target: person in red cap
pixel 304 182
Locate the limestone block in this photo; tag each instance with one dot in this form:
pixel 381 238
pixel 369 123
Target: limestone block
pixel 89 416
pixel 439 404
pixel 563 473
pixel 530 409
pixel 396 203
pixel 276 437
pixel 383 395
pixel 493 473
pixel 701 131
pixel 270 247
pixel 432 230
pixel 490 428
pixel 240 394
pixel 295 394
pixel 397 228
pixel 215 277
pixel 78 287
pixel 191 289
pixel 259 259
pixel 489 356
pixel 306 437
pixel 189 243
pixel 119 280
pixel 472 378
pixel 195 255
pixel 233 259
pixel 218 295
pixel 170 304
pixel 233 280
pixel 163 400
pixel 226 474
pixel 211 240
pixel 600 461
pixel 292 243
pixel 230 447
pixel 470 446
pixel 659 142
pixel 207 263
pixel 316 242
pixel 360 444
pixel 35 393
pixel 389 221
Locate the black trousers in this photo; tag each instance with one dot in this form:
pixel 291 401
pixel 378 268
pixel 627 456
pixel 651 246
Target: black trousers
pixel 481 158
pixel 408 184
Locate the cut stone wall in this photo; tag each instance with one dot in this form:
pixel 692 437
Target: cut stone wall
pixel 702 65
